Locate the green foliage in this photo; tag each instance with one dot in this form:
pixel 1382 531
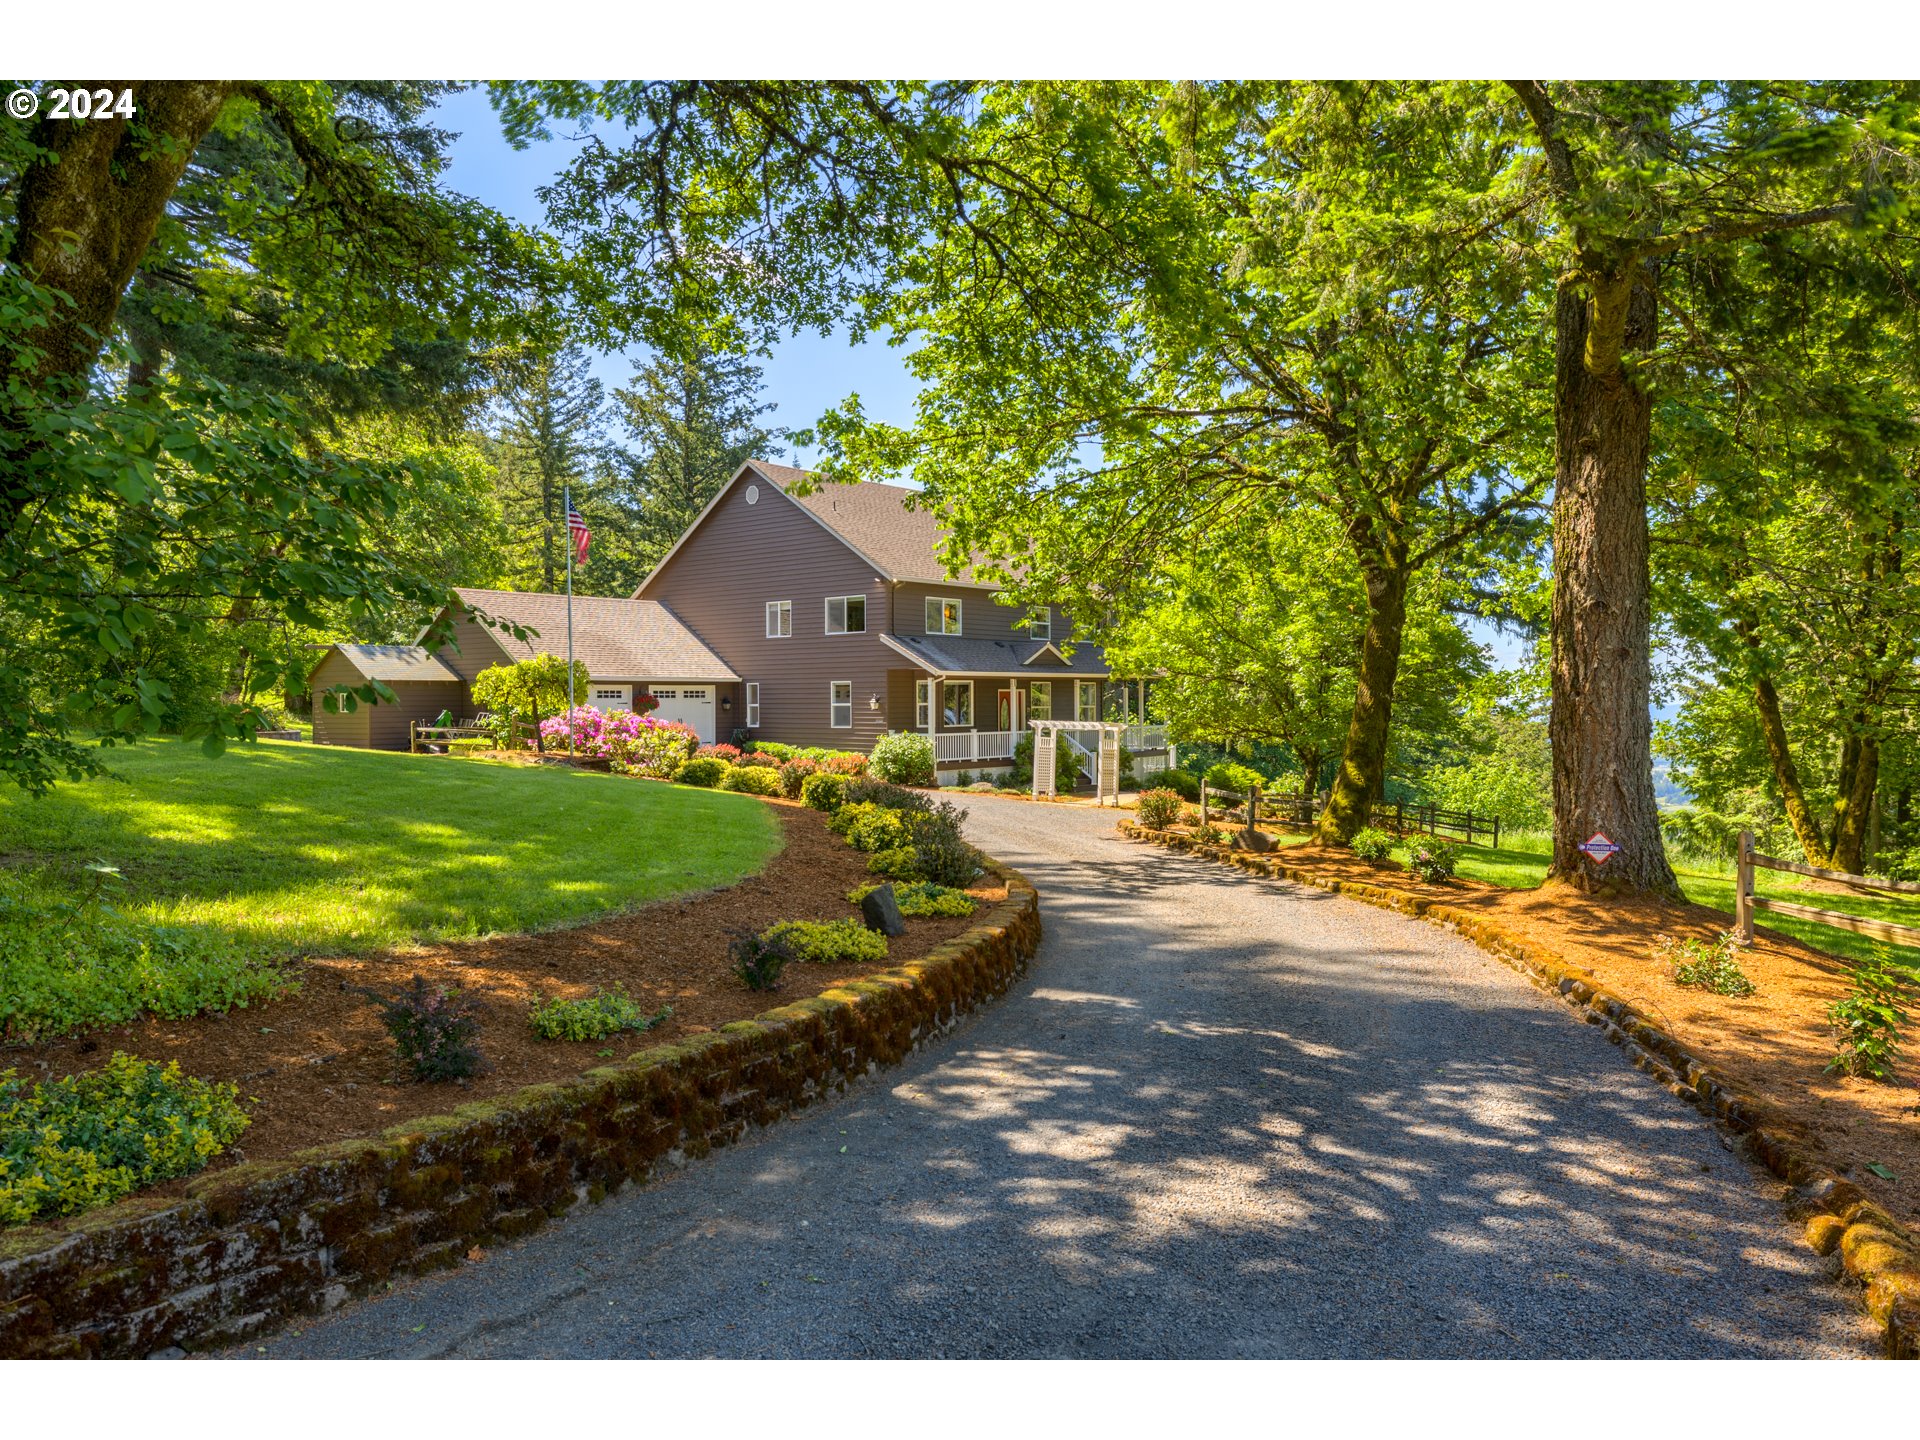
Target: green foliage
pixel 469 747
pixel 751 780
pixel 596 1016
pixel 824 792
pixel 759 959
pixel 1512 781
pixel 922 897
pixel 1067 766
pixel 1158 808
pixel 866 790
pixel 900 863
pixel 530 689
pixel 1371 844
pixel 82 1141
pixel 433 1029
pixel 1186 786
pixel 793 775
pixel 76 964
pixel 1871 1017
pixel 903 757
pixel 705 771
pixel 1432 860
pixel 870 827
pixel 1707 965
pixel 780 753
pixel 1236 778
pixel 828 942
pixel 941 852
pixel 1210 835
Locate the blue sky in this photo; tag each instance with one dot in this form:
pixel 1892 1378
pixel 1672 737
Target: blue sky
pixel 804 377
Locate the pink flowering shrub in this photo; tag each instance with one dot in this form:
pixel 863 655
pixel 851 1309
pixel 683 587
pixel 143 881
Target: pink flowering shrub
pixel 635 743
pixel 728 753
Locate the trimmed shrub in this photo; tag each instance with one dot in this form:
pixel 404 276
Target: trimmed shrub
pixel 1158 808
pixel 83 1141
pixel 706 771
pixel 592 1018
pixel 875 827
pixel 774 748
pixel 844 762
pixel 865 790
pixel 728 753
pixel 752 780
pixel 1229 776
pixel 922 897
pixel 941 852
pixel 1371 844
pixel 793 774
pixel 433 1030
pixel 822 791
pixel 902 757
pixel 1181 784
pixel 964 780
pixel 1433 860
pixel 900 864
pixel 759 759
pixel 828 942
pixel 758 960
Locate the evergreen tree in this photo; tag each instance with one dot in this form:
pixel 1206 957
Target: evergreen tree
pixel 551 412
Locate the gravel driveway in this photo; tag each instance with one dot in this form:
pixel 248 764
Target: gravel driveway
pixel 1222 1117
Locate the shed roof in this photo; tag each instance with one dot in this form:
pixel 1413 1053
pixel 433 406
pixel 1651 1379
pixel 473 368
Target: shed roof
pixel 619 639
pixel 391 663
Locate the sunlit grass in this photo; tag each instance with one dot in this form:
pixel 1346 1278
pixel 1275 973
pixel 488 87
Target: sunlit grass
pixel 288 849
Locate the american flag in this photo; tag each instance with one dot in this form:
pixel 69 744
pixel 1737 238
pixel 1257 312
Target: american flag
pixel 578 533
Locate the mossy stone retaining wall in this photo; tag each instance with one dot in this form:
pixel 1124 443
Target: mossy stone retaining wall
pixel 255 1244
pixel 1876 1251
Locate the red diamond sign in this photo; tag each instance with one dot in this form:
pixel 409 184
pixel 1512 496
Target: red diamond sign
pixel 1598 848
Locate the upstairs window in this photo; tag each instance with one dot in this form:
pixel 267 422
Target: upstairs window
pixel 943 615
pixel 1040 623
pixel 846 614
pixel 779 619
pixel 840 704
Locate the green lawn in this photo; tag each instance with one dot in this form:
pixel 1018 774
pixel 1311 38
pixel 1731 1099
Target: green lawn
pixel 284 848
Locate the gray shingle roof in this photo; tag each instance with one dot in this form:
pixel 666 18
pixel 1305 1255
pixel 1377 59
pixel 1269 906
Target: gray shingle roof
pixel 874 519
pixel 396 662
pixel 954 655
pixel 618 639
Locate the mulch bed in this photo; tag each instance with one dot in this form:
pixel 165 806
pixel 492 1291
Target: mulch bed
pixel 316 1066
pixel 1774 1044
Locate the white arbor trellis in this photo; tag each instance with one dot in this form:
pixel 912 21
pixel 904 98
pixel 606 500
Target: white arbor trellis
pixel 1046 744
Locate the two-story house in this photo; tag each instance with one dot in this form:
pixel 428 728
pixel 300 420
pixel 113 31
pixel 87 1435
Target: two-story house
pixel 814 619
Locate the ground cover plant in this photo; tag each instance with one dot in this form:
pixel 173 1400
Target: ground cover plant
pixel 593 1017
pixel 1432 860
pixel 1869 1020
pixel 1371 844
pixel 80 1141
pixel 281 848
pixel 760 960
pixel 827 942
pixel 1709 964
pixel 922 897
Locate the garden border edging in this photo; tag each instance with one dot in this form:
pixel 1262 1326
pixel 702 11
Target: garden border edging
pixel 258 1243
pixel 1876 1251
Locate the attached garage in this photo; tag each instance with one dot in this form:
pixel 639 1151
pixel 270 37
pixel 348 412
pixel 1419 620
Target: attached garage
pixel 690 705
pixel 422 685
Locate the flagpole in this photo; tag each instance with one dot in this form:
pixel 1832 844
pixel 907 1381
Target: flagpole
pixel 566 501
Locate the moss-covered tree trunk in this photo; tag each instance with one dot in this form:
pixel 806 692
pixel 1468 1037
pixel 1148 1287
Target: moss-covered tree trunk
pixel 1363 761
pixel 1786 774
pixel 1600 725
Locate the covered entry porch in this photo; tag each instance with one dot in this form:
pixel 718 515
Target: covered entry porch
pixel 977 720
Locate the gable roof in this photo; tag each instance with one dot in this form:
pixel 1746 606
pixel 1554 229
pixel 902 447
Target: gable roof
pixel 1037 659
pixel 392 662
pixel 870 519
pixel 620 640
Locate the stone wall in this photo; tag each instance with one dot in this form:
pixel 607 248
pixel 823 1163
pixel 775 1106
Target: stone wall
pixel 255 1244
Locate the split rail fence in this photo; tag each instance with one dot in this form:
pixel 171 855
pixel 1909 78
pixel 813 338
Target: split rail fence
pixel 1403 819
pixel 1745 901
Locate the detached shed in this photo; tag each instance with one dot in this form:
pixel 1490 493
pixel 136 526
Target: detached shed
pixel 422 684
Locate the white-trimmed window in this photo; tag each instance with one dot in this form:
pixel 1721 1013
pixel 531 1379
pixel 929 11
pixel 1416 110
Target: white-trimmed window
pixel 1086 707
pixel 922 704
pixel 840 704
pixel 1040 700
pixel 943 615
pixel 956 703
pixel 846 614
pixel 753 704
pixel 779 619
pixel 1040 623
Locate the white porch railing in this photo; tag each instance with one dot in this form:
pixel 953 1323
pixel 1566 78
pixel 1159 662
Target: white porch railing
pixel 1145 737
pixel 974 745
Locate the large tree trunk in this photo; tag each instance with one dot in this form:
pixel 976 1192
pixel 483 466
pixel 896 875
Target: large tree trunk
pixel 1363 763
pixel 1600 726
pixel 1773 730
pixel 1859 777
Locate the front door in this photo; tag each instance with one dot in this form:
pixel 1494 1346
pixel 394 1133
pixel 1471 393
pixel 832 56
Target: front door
pixel 1013 710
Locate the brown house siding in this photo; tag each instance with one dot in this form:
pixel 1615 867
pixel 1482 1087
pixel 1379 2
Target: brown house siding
pixel 473 648
pixel 380 727
pixel 719 583
pixel 331 727
pixel 981 618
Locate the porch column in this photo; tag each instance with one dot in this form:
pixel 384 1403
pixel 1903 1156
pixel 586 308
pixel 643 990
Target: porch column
pixel 1013 712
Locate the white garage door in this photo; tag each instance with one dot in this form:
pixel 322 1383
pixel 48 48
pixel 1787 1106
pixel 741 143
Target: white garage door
pixel 689 704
